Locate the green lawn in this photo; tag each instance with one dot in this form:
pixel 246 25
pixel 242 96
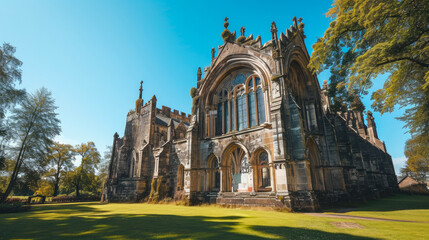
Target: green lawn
pixel 149 221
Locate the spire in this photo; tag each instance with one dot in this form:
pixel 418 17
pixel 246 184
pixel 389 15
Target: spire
pixel 199 73
pixel 273 30
pixel 141 90
pixel 295 24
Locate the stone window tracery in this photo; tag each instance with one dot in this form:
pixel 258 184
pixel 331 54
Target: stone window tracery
pixel 239 102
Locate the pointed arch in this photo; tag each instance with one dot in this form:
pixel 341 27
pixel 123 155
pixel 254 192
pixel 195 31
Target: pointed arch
pixel 237 174
pixel 316 171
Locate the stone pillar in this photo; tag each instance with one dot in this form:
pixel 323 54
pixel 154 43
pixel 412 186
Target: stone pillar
pixel 372 130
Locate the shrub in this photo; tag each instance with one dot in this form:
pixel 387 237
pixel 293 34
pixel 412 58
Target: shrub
pixel 13 200
pixel 13 207
pixel 180 198
pixel 82 198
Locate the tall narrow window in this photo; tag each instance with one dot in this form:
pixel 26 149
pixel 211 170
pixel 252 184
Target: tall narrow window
pixel 261 106
pixel 232 114
pixel 226 117
pixel 219 119
pixel 252 109
pixel 241 112
pixel 265 180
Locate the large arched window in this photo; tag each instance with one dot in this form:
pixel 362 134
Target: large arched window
pixel 240 102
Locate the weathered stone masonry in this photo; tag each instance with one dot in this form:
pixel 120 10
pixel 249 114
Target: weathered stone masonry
pixel 261 133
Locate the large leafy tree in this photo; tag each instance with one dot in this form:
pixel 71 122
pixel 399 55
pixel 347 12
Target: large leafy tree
pixel 60 159
pixel 368 38
pixel 34 124
pixel 10 75
pixel 83 176
pixel 418 158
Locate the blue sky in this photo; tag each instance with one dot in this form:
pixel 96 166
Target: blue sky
pixel 93 54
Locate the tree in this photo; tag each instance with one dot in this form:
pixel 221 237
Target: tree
pixel 418 158
pixel 103 170
pixel 368 38
pixel 60 159
pixel 34 124
pixel 84 174
pixel 10 74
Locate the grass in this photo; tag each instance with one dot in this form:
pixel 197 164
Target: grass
pixel 150 221
pixel 399 207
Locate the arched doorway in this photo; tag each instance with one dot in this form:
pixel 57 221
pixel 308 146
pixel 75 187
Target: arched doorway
pixel 237 175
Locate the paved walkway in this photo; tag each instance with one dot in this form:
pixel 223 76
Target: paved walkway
pixel 328 215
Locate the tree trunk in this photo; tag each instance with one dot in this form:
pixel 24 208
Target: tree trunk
pixel 14 176
pixel 56 188
pixel 77 191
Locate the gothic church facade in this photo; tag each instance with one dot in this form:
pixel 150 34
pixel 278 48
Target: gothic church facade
pixel 261 133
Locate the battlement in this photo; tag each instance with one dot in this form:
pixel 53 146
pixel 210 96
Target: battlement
pixel 174 114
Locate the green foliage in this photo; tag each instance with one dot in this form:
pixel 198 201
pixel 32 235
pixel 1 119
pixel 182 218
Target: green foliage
pixel 240 39
pixel 195 97
pixel 60 159
pixel 417 165
pixel 45 188
pixel 139 104
pixel 368 38
pixel 103 169
pixel 152 189
pixel 10 75
pixel 227 36
pixel 84 176
pixel 33 125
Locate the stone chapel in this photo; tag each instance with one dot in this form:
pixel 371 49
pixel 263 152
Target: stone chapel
pixel 261 133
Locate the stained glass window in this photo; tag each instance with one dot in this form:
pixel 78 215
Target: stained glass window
pixel 232 115
pixel 226 118
pixel 219 119
pixel 238 106
pixel 261 106
pixel 239 79
pixel 241 112
pixel 252 108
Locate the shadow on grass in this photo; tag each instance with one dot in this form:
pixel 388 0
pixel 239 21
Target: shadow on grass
pixel 151 226
pixel 393 203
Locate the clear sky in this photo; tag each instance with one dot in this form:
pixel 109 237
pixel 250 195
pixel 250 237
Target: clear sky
pixel 93 54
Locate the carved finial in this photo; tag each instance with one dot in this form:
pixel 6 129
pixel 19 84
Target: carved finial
pixel 199 73
pixel 295 24
pixel 141 90
pixel 242 31
pixel 274 31
pixel 273 27
pixel 226 24
pixel 300 19
pixel 213 53
pixel 116 135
